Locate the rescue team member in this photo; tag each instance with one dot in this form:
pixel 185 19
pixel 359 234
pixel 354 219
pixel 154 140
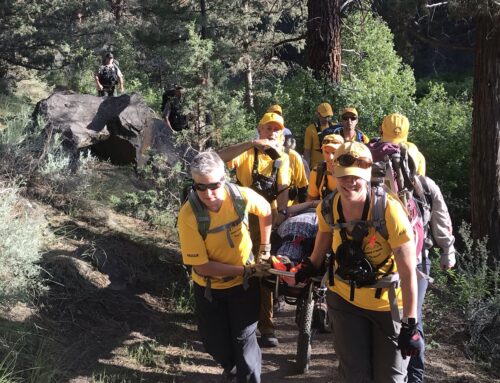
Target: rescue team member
pixel 312 146
pixel 394 129
pixel 367 336
pixel 348 130
pixel 322 180
pixel 227 320
pixel 439 233
pixel 257 170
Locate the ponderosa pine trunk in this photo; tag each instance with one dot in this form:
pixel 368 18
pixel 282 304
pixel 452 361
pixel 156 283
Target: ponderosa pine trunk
pixel 323 53
pixel 485 188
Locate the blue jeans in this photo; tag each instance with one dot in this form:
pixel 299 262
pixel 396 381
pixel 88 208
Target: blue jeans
pixel 416 365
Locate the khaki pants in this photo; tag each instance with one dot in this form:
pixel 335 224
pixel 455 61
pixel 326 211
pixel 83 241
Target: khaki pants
pixel 265 324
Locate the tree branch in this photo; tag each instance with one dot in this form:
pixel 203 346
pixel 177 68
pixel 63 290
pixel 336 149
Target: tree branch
pixel 282 42
pixel 437 43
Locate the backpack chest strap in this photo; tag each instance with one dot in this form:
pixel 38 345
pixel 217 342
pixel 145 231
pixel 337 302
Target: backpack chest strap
pixel 227 227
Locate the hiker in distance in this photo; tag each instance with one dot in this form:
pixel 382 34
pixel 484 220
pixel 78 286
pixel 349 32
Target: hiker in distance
pixel 107 76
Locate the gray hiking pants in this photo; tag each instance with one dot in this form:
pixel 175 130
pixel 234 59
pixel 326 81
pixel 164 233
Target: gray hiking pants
pixel 365 342
pixel 227 327
pixel 416 366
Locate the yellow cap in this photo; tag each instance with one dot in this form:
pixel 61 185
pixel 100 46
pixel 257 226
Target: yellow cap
pixel 356 150
pixel 333 141
pixel 273 118
pixel 349 110
pixel 395 128
pixel 325 110
pixel 275 109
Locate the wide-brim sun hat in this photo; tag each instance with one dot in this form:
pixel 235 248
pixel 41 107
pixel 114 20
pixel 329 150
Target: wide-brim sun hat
pixel 359 157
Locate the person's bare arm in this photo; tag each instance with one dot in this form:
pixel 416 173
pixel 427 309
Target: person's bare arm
pixel 98 83
pixel 218 269
pixel 233 151
pixel 282 203
pixel 407 265
pixel 322 245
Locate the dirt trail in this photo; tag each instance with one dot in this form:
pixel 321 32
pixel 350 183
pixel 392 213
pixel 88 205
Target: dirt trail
pixel 115 311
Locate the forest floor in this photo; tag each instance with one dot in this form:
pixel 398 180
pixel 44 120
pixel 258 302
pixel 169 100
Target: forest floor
pixel 118 310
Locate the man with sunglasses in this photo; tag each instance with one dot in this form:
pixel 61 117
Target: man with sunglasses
pixel 227 298
pixel 371 343
pixel 348 130
pixel 244 157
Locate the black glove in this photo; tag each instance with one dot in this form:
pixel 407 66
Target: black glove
pixel 306 270
pixel 410 340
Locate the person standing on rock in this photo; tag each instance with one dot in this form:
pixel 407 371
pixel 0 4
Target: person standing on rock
pixel 215 240
pixel 107 76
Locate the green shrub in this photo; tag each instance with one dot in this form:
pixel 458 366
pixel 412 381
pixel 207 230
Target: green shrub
pixel 470 294
pixel 20 251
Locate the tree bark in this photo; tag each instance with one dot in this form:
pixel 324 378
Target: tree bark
pixel 485 188
pixel 323 50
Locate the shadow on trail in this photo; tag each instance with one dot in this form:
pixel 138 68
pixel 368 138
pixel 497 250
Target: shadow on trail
pixel 110 295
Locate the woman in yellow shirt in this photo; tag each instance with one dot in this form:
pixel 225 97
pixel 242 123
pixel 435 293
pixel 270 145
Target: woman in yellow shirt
pixel 227 300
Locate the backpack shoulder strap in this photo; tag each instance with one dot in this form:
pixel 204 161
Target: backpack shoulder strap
pixel 239 202
pixel 320 173
pixel 200 212
pixel 255 168
pixel 378 210
pixel 327 208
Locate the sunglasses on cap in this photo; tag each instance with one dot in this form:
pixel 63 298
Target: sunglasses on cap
pixel 352 118
pixel 347 160
pixel 211 186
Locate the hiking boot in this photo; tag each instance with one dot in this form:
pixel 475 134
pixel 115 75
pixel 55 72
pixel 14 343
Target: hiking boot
pixel 229 375
pixel 268 341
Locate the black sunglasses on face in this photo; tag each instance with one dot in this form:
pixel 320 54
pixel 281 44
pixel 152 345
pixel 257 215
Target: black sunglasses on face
pixel 211 186
pixel 346 160
pixel 352 118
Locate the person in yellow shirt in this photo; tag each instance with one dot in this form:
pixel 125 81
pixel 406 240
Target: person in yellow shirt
pixel 312 146
pixel 298 175
pixel 394 129
pixel 348 130
pixel 364 297
pixel 322 180
pixel 227 300
pixel 256 169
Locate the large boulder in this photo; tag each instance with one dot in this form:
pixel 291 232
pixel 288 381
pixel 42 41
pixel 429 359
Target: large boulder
pixel 122 129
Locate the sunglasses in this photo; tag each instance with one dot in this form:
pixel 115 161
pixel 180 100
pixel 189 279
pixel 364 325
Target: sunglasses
pixel 346 160
pixel 211 186
pixel 352 118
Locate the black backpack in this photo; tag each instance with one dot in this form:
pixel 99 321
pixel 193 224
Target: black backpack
pixel 331 129
pixel 108 75
pixel 320 175
pixel 266 186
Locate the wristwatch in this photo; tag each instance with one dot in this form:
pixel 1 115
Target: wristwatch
pixel 409 321
pixel 283 211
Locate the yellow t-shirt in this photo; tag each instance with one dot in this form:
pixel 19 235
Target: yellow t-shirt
pixel 311 142
pixel 196 251
pixel 244 166
pixel 376 249
pixel 298 176
pixel 313 191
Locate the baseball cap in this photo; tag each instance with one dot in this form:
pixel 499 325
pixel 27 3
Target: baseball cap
pixel 333 141
pixel 325 110
pixel 275 109
pixel 287 132
pixel 356 151
pixel 109 55
pixel 395 128
pixel 272 118
pixel 349 110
